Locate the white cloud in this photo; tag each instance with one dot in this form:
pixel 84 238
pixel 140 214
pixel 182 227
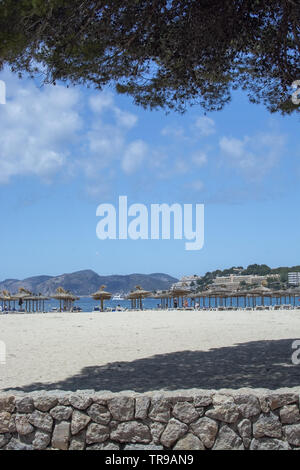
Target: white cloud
pixel 125 119
pixel 180 166
pixel 173 131
pixel 199 159
pixel 50 129
pixel 254 156
pixel 36 128
pixel 105 102
pixel 205 126
pixel 100 102
pixel 134 156
pixel 196 185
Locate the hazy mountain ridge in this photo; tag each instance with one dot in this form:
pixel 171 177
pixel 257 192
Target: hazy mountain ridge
pixel 87 281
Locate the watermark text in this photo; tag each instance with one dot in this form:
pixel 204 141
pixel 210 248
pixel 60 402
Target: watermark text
pixel 2 353
pixel 2 92
pixel 296 94
pixel 296 353
pixel 162 222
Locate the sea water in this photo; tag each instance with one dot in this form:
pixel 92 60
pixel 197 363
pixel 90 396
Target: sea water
pixel 88 304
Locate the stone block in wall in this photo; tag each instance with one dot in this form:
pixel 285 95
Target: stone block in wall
pixel 289 414
pixel 41 420
pixel 5 419
pixel 147 447
pixel 61 412
pixel 173 432
pixel 292 434
pixel 189 442
pixel 131 432
pixel 4 439
pixel 185 412
pixel 267 426
pixel 269 444
pixel 25 405
pixel 228 439
pixel 206 429
pixel 77 442
pixel 121 408
pixel 141 407
pixel 61 436
pixel 7 403
pixel 23 425
pixel 156 429
pixel 15 444
pixel 160 410
pixel 45 402
pixel 41 440
pixel 224 410
pixel 99 414
pixel 104 446
pixel 248 405
pixel 79 421
pixel 96 433
pixel 81 402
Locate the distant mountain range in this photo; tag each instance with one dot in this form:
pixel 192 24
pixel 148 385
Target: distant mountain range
pixel 87 282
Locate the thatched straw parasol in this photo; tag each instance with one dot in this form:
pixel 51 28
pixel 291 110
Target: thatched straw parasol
pixel 101 295
pixel 66 297
pixel 164 298
pixel 38 302
pixel 7 297
pixel 23 295
pixel 295 292
pixel 179 292
pixel 259 292
pixel 278 294
pixel 137 297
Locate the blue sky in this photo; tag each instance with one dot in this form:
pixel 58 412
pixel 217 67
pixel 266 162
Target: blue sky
pixel 64 151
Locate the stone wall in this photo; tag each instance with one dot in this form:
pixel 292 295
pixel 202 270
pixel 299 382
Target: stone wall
pixel 188 420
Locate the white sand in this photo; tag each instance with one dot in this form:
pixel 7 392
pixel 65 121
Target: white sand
pixel 149 350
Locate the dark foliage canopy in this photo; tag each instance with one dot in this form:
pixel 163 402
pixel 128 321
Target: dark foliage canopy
pixel 164 53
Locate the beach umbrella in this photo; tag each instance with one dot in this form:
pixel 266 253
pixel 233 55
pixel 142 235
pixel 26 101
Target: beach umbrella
pixel 66 297
pixel 7 297
pixel 293 293
pixel 23 295
pixel 101 295
pixel 163 297
pixel 221 293
pixel 38 302
pixel 201 294
pixel 260 292
pixel 178 292
pixel 278 294
pixel 138 295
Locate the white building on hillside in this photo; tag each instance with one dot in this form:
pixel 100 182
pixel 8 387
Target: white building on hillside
pixel 294 279
pixel 233 281
pixel 186 282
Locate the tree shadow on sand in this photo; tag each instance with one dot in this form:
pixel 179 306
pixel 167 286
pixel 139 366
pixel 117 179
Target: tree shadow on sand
pixel 266 364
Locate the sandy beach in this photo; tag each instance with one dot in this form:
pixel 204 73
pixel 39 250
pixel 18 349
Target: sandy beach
pixel 149 350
